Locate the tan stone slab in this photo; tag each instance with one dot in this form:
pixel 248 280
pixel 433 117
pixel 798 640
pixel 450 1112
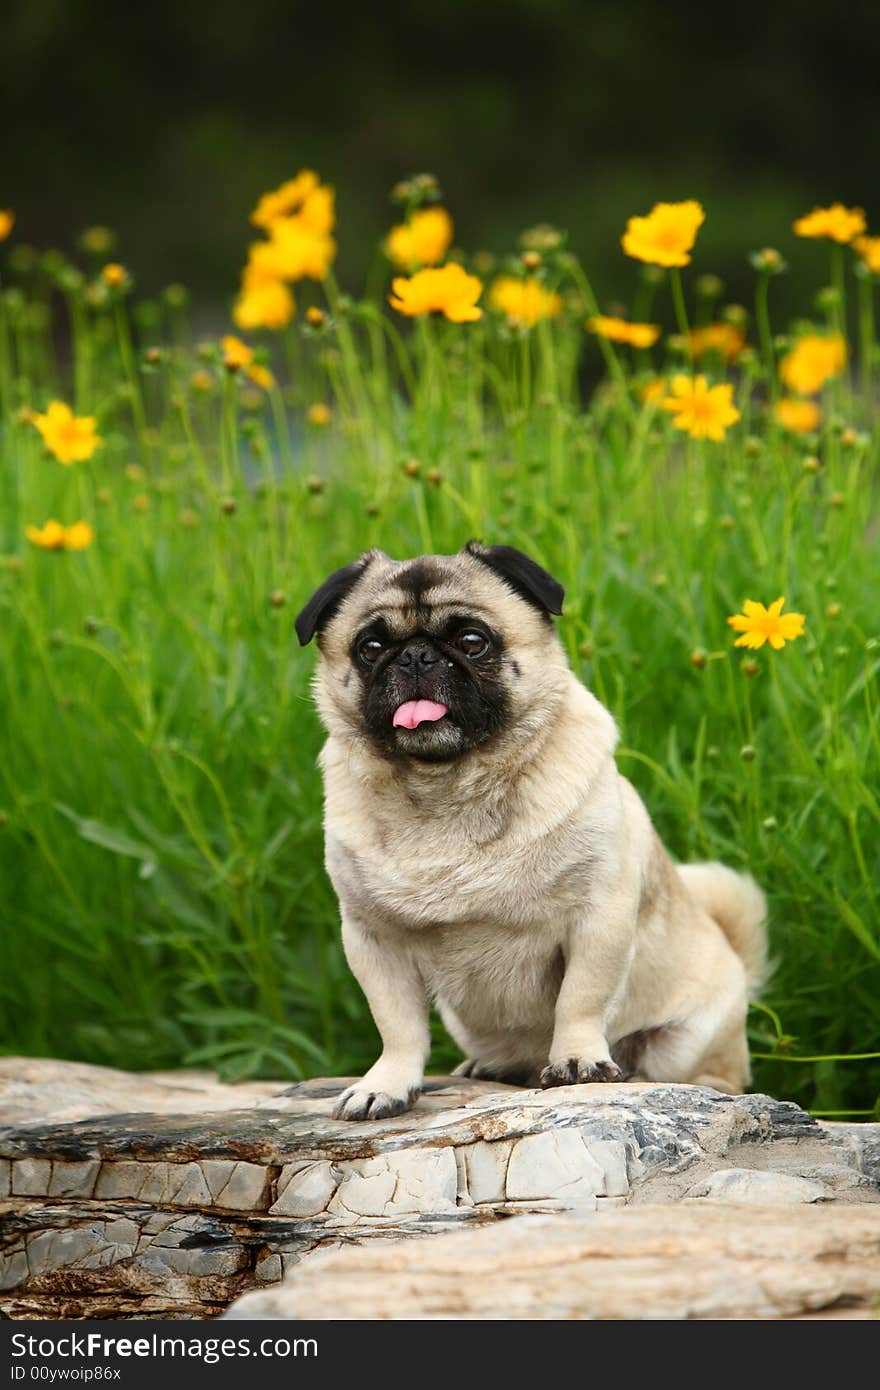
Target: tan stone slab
pixel 699 1260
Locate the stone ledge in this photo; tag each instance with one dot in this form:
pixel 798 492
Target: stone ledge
pixel 194 1191
pixel 698 1260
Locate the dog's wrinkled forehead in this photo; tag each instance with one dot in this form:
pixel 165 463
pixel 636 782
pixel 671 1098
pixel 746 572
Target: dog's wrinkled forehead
pixel 422 595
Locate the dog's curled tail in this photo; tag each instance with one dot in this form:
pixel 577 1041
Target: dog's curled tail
pixel 739 907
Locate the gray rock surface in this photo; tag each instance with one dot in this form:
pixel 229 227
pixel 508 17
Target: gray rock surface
pixel 172 1194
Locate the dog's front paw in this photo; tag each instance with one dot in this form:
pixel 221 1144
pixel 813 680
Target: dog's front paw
pixel 360 1103
pixel 572 1071
pixel 511 1075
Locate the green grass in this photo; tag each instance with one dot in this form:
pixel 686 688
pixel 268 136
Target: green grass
pixel 162 895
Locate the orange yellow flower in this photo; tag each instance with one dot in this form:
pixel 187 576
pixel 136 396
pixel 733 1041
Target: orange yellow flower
pixel 264 300
pixel 524 300
pixel 759 625
pixel 71 438
pixel 666 236
pixel 54 536
pixel 285 200
pixel 868 248
pixel 653 390
pixel 726 339
pixel 422 241
pixel 448 290
pixel 7 222
pixel 319 414
pixel 703 411
pixel 637 335
pixel 814 359
pixel 238 357
pixel 801 417
pixel 838 223
pixel 114 274
pixel 299 250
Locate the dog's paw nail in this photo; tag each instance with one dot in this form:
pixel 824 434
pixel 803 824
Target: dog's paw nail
pixel 571 1071
pixel 371 1105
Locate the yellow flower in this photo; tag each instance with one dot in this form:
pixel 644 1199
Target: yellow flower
pixel 759 625
pixel 638 335
pixel 283 201
pixel 7 222
pixel 724 338
pixel 299 249
pixel 114 274
pixel 264 300
pixel 424 240
pixel 524 300
pixel 69 437
pixel 801 417
pixel 238 357
pixel 449 290
pixel 666 236
pixel 813 360
pixel 704 411
pixel 651 391
pixel 868 248
pixel 54 536
pixel 837 223
pixel 319 414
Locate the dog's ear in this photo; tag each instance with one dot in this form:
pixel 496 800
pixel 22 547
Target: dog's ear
pixel 525 576
pixel 326 600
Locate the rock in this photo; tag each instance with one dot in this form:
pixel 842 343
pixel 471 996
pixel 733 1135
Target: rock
pixel 646 1262
pixel 755 1188
pixel 173 1194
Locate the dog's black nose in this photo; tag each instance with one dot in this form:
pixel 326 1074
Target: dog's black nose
pixel 417 656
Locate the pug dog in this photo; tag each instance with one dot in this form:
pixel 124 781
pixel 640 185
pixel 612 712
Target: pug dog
pixel 489 857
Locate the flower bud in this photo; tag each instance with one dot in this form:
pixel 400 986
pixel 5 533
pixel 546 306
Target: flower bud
pixel 97 241
pixel 277 598
pixel 709 286
pixel 412 468
pixel 747 753
pixel 767 261
pixel 699 658
pixel 315 317
pixel 176 296
pixel 749 667
pixel 228 505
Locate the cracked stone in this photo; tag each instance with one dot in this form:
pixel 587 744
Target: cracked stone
pixel 173 1194
pixel 758 1189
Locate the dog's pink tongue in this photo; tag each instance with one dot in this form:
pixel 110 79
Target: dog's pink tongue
pixel 416 712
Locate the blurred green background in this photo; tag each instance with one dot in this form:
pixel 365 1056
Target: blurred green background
pixel 167 121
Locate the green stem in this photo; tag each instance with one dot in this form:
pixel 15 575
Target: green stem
pixel 762 317
pixel 126 352
pixel 681 317
pixel 866 340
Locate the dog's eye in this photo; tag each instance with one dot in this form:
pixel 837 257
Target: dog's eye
pixel 473 643
pixel 370 650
